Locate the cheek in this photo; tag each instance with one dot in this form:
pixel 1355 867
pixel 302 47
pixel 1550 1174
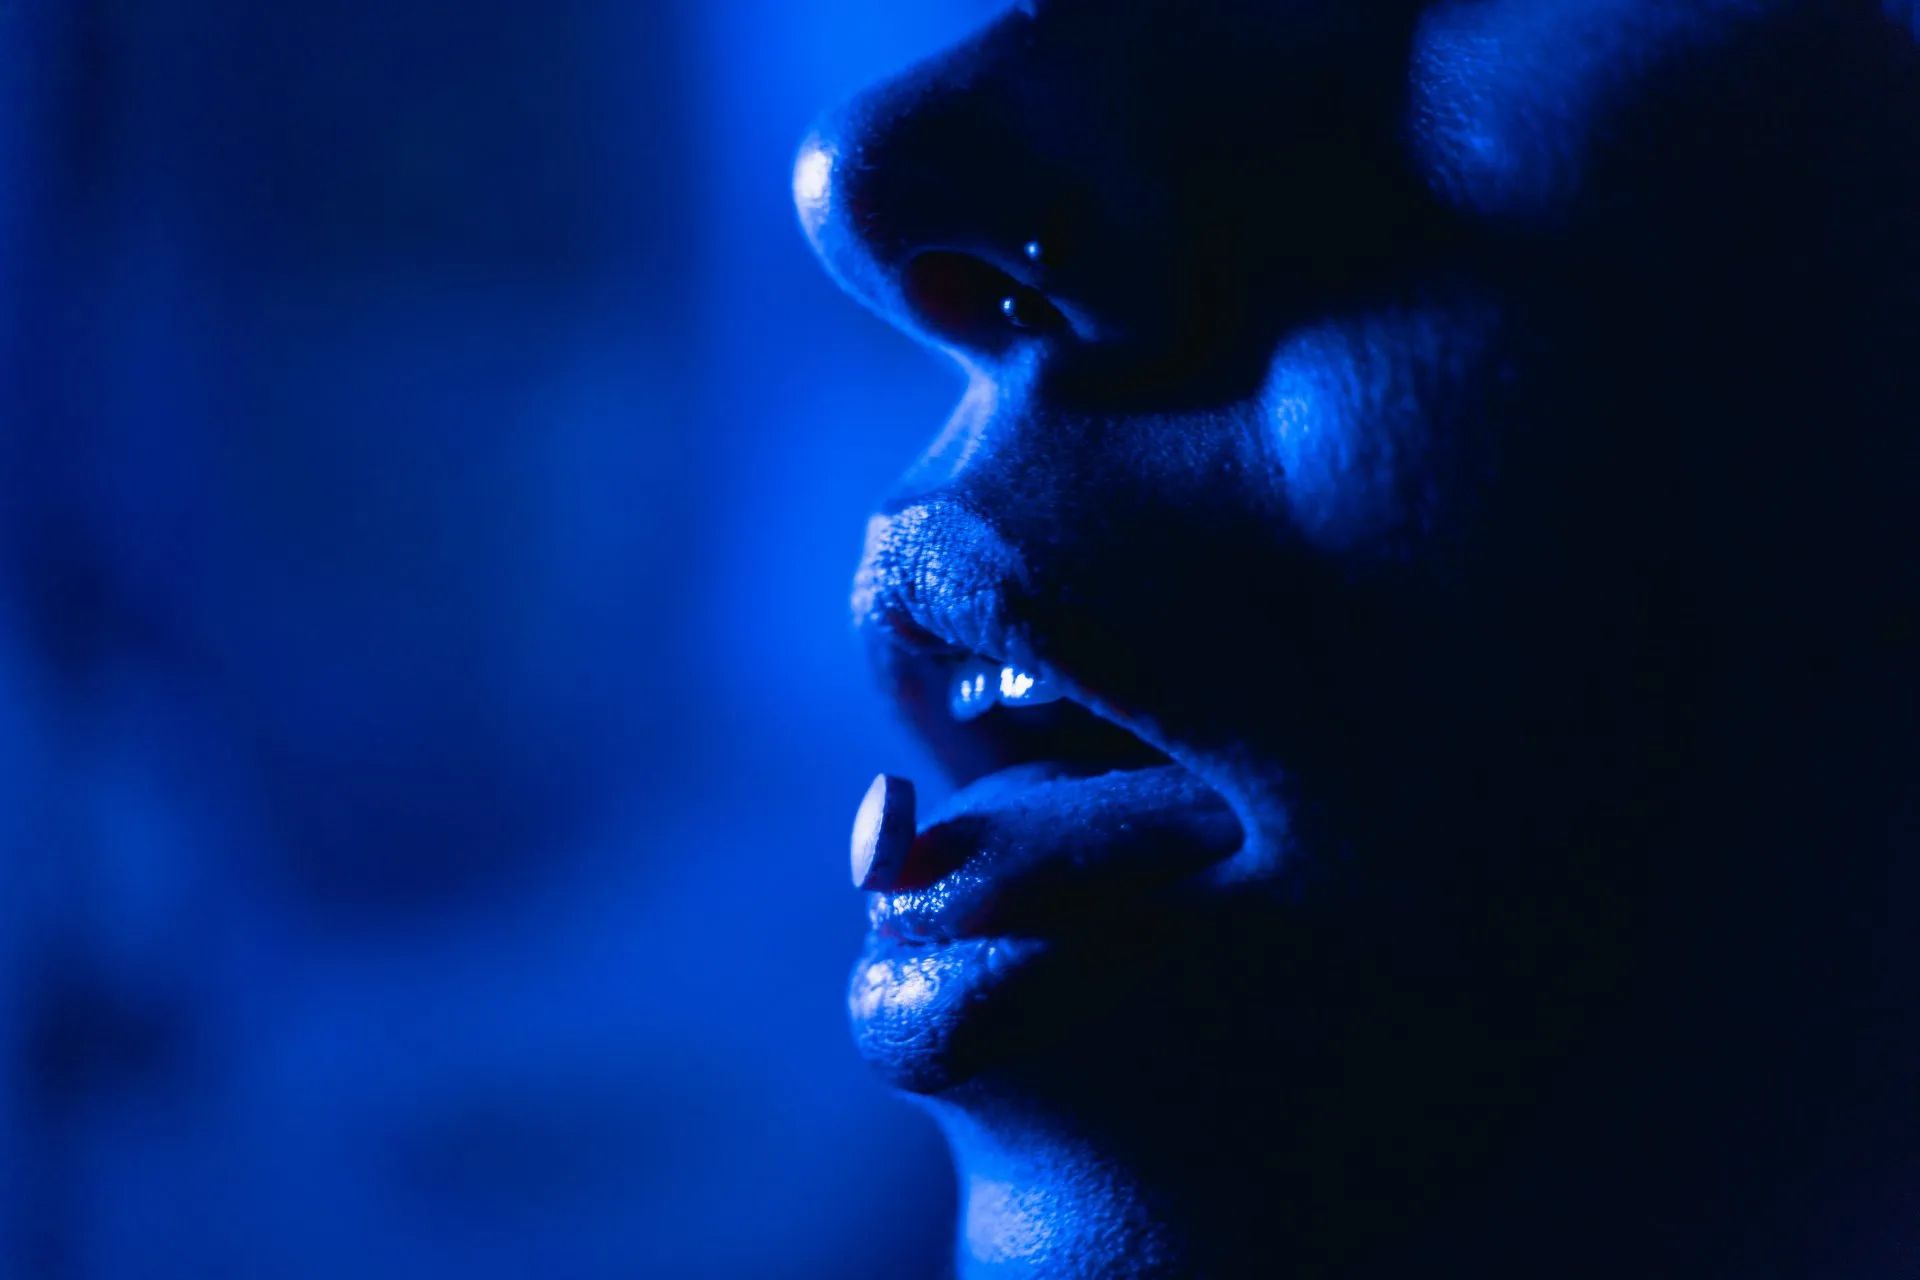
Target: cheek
pixel 1482 135
pixel 1508 97
pixel 1379 430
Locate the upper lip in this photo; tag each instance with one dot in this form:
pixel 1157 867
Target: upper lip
pixel 939 584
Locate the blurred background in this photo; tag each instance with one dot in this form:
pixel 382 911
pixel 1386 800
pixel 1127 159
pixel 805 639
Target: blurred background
pixel 431 468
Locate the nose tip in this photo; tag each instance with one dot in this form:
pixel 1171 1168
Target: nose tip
pixel 835 215
pixel 922 202
pixel 813 185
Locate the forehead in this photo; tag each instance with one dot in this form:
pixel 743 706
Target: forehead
pixel 1279 14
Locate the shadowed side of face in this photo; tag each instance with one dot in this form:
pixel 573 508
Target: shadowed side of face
pixel 1444 474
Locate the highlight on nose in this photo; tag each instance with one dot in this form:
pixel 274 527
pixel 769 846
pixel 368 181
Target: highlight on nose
pixel 833 227
pixel 813 184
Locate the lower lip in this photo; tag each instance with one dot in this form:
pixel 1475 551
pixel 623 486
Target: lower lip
pixel 897 979
pixel 1054 862
pixel 911 1004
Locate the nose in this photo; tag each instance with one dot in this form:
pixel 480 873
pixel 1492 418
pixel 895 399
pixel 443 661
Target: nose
pixel 927 198
pixel 1122 191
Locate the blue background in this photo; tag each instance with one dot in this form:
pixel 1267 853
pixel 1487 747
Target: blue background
pixel 430 477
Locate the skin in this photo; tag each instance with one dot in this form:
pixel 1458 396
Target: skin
pixel 1476 439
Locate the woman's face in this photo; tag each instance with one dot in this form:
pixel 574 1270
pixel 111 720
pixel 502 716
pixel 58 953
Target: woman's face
pixel 1418 441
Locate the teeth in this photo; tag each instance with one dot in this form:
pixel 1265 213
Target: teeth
pixel 979 686
pixel 1024 689
pixel 975 690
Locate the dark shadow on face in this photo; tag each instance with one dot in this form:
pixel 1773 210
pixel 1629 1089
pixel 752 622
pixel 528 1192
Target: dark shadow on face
pixel 1456 465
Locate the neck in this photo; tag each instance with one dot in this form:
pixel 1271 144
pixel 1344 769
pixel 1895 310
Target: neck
pixel 1038 1205
pixel 1729 1108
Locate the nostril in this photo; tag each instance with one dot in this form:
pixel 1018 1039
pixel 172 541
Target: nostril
pixel 1026 308
pixel 970 302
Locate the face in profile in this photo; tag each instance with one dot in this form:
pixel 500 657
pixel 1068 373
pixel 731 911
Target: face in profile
pixel 1417 602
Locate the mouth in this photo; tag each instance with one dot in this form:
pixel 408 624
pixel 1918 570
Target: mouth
pixel 1067 811
pixel 1067 831
pixel 1073 822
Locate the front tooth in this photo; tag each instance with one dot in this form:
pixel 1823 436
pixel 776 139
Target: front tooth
pixel 975 690
pixel 1020 688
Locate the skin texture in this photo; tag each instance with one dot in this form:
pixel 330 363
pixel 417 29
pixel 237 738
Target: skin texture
pixel 1477 439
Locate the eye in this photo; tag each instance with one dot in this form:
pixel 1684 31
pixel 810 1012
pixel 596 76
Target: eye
pixel 965 300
